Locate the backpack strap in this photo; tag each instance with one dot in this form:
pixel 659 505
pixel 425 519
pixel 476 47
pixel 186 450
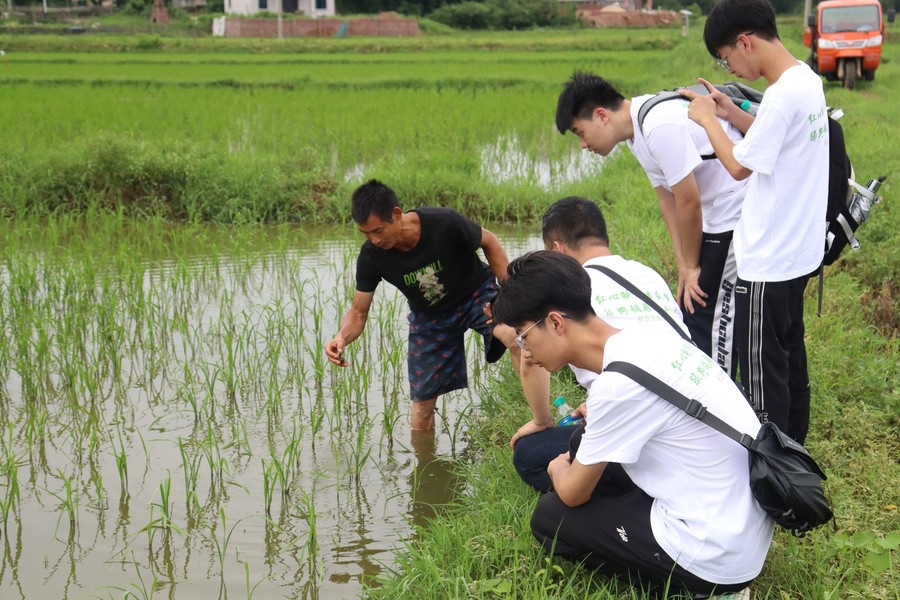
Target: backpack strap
pixel 821 273
pixel 692 407
pixel 663 97
pixel 642 296
pixel 742 95
pixel 646 106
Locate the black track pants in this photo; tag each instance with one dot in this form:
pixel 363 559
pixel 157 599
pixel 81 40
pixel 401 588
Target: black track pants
pixel 769 334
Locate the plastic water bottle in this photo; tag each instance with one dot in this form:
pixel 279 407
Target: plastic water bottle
pixel 564 411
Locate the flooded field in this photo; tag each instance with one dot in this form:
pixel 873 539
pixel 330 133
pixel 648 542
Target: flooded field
pixel 174 429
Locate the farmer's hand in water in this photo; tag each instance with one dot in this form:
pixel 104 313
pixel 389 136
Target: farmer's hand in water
pixel 335 351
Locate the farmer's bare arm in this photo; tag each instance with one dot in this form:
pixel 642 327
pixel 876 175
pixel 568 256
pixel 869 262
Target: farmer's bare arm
pixel 495 254
pixel 352 326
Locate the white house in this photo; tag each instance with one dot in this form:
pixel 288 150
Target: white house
pixel 313 8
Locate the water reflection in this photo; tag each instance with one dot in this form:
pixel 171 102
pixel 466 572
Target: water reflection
pixel 433 481
pixel 175 426
pixel 505 160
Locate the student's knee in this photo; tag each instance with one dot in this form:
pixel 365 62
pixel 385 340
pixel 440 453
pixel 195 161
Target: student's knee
pixel 531 471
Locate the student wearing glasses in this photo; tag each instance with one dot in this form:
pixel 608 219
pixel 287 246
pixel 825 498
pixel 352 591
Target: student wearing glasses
pixel 699 201
pixel 575 226
pixel 648 492
pixel 780 238
pixel 430 255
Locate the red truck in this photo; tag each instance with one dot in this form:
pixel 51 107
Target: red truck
pixel 845 37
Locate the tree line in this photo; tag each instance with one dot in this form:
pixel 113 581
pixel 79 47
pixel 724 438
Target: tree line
pixel 425 8
pixel 467 14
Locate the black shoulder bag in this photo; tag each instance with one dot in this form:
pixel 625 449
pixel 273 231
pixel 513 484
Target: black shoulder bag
pixel 784 478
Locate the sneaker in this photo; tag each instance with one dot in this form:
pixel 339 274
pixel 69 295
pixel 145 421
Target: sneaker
pixel 743 594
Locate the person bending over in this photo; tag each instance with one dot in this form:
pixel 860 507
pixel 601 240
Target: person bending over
pixel 429 254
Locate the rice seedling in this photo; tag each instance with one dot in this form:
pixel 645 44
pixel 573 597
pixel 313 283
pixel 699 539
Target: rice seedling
pixel 359 449
pixel 240 438
pixel 218 464
pixel 389 418
pixel 307 507
pixel 284 467
pixel 161 512
pixel 221 544
pixel 269 480
pixel 9 472
pixel 68 500
pixel 231 345
pixel 191 469
pixel 250 590
pixel 121 458
pixel 459 424
pixel 6 504
pixel 142 590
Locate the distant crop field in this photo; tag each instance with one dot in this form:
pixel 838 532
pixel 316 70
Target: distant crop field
pixel 302 123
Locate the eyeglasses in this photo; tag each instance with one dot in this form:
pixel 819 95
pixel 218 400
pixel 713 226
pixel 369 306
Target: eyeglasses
pixel 520 339
pixel 723 62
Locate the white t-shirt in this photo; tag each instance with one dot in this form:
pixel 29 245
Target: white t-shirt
pixel 703 514
pixel 670 148
pixel 620 308
pixel 781 234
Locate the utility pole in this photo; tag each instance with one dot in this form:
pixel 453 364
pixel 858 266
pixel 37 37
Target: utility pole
pixel 280 10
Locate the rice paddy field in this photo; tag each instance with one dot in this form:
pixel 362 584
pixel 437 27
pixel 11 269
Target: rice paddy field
pixel 175 251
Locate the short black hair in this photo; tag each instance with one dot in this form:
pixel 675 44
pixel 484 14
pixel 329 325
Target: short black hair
pixel 730 18
pixel 581 95
pixel 574 220
pixel 373 198
pixel 539 282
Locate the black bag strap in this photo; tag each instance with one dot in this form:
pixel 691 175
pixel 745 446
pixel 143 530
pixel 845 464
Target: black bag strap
pixel 647 299
pixel 742 95
pixel 670 95
pixel 692 407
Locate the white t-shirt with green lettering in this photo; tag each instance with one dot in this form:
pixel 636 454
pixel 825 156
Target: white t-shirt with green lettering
pixel 703 514
pixel 781 233
pixel 619 307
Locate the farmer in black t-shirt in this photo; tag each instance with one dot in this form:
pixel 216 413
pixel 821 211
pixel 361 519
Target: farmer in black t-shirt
pixel 429 254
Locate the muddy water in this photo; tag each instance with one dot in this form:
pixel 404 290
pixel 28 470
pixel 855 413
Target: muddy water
pixel 196 444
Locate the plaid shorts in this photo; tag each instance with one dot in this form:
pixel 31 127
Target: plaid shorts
pixel 437 353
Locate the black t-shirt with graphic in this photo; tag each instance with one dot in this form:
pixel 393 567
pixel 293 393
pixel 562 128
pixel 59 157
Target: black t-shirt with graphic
pixel 439 272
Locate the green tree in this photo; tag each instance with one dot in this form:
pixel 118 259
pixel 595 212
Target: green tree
pixel 504 14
